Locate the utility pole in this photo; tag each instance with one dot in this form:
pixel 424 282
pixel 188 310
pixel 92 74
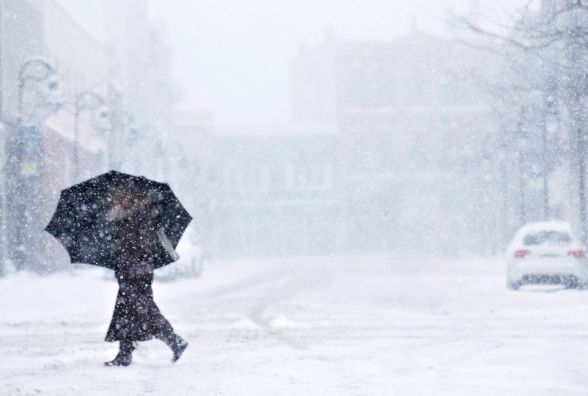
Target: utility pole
pixel 522 147
pixel 3 160
pixel 579 126
pixel 545 170
pixel 576 85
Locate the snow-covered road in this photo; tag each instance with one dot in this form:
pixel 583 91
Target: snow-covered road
pixel 349 326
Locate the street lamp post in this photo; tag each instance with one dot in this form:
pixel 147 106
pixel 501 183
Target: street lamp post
pixel 42 101
pixel 43 73
pixel 103 123
pixel 84 101
pixel 126 132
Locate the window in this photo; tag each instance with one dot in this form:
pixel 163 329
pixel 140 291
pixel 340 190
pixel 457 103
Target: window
pixel 547 238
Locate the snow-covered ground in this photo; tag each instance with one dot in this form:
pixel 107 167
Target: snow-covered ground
pixel 336 326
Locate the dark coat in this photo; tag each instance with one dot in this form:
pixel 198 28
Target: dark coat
pixel 136 317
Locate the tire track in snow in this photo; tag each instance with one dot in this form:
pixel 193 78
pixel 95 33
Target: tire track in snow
pixel 264 293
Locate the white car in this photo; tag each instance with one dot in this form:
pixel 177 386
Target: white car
pixel 546 252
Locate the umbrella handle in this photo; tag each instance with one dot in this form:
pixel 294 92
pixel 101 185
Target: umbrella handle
pixel 166 243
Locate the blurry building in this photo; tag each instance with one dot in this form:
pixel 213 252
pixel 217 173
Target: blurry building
pixel 190 153
pixel 124 97
pixel 81 62
pixel 141 63
pixel 276 193
pixel 414 133
pixel 42 30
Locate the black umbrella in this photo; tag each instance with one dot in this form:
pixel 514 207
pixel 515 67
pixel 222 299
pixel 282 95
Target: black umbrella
pixel 80 222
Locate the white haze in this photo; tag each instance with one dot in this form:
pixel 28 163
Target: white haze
pixel 233 57
pixel 354 169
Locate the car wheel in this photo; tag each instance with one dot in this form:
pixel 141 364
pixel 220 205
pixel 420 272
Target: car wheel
pixel 572 282
pixel 513 285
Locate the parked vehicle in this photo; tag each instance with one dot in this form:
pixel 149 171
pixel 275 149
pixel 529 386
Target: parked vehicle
pixel 546 252
pixel 189 265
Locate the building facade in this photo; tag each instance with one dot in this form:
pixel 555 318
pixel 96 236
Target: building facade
pixel 141 64
pixel 275 194
pixel 413 131
pixel 190 159
pixel 41 37
pixel 109 109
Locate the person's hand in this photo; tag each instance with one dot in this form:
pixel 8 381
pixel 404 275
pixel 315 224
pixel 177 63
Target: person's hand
pixel 115 213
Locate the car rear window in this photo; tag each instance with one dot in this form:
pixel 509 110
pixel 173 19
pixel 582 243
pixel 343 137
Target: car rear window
pixel 547 237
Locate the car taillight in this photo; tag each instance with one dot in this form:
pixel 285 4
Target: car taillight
pixel 522 253
pixel 580 254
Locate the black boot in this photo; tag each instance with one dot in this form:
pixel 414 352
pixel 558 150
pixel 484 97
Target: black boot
pixel 125 355
pixel 176 343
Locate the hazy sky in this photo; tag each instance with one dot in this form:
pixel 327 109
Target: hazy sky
pixel 232 56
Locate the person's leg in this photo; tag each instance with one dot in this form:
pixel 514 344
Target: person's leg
pixel 125 354
pixel 159 326
pixel 176 343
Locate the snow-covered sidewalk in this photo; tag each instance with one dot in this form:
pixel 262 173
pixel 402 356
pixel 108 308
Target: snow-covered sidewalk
pixel 340 326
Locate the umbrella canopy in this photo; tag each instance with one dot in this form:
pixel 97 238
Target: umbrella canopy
pixel 83 224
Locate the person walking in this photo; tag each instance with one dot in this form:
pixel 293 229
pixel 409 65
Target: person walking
pixel 136 317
